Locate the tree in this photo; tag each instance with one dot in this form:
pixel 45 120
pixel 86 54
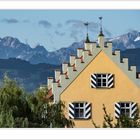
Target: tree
pixel 19 109
pixel 45 113
pixel 55 116
pixel 13 105
pixel 122 122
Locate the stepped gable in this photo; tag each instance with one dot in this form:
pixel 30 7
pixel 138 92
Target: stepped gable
pixel 85 56
pixel 78 63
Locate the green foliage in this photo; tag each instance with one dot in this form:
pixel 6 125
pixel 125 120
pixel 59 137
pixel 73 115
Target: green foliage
pixel 108 120
pixel 13 105
pixel 125 122
pixel 56 116
pixel 122 122
pixel 46 114
pixel 18 109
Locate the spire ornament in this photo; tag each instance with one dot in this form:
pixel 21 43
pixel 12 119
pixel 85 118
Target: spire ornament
pixel 101 29
pixel 87 37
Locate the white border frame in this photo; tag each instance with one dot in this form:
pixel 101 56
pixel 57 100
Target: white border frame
pixel 67 4
pixel 81 134
pixel 70 134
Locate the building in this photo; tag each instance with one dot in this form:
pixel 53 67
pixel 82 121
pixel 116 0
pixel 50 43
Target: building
pixel 94 77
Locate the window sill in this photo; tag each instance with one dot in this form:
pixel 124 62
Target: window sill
pixel 102 88
pixel 78 119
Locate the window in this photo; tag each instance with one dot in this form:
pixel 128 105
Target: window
pixel 125 108
pixel 79 110
pixel 102 80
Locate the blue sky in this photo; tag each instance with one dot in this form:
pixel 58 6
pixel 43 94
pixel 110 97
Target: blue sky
pixel 55 29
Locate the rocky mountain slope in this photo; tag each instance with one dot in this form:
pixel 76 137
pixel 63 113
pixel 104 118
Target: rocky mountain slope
pixel 29 76
pixel 12 48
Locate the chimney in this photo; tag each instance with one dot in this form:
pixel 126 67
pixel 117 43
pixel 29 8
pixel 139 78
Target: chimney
pixel 50 81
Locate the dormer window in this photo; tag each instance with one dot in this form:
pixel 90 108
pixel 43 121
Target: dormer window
pixel 101 80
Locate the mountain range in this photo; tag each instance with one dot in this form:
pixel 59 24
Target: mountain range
pixel 12 48
pixel 31 66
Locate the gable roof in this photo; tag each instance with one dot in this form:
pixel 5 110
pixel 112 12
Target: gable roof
pixel 84 56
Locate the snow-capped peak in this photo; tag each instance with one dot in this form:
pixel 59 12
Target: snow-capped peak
pixel 137 38
pixel 115 38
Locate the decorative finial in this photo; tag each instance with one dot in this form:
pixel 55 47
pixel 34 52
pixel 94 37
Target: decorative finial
pixel 86 24
pixel 101 30
pixel 87 38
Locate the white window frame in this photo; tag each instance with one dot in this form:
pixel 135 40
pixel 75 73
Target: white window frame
pixel 79 108
pixel 79 112
pixel 102 78
pixel 126 108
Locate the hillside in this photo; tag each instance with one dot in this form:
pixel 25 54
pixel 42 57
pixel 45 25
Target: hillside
pixel 28 75
pixel 134 57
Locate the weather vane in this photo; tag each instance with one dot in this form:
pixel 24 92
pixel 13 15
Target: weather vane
pixel 86 24
pixel 87 38
pixel 100 18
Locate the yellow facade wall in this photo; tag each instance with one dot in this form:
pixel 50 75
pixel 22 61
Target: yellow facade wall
pixel 80 90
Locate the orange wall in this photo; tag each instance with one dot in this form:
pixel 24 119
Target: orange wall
pixel 80 90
